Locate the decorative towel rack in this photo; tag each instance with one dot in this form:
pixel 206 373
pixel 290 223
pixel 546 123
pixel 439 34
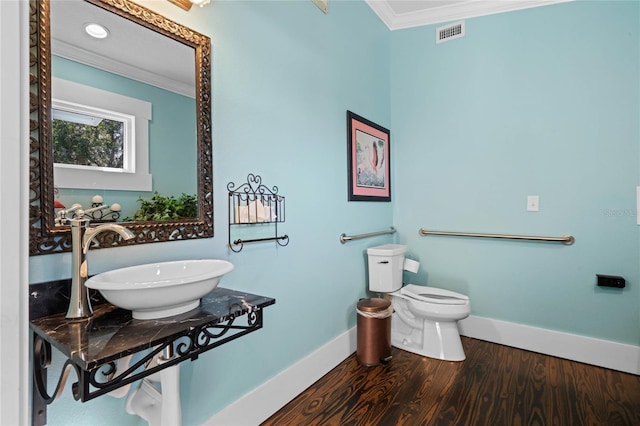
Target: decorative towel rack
pixel 344 237
pixel 565 239
pixel 253 204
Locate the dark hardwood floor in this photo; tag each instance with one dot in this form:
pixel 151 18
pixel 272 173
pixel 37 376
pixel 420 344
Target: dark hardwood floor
pixel 496 385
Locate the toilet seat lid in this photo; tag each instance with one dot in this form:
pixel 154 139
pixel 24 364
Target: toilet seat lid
pixel 434 295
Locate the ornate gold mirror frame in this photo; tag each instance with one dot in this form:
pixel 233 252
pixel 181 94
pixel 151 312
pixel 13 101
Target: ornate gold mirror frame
pixel 45 237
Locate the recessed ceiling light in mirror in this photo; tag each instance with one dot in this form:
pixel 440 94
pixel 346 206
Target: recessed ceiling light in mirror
pixel 96 30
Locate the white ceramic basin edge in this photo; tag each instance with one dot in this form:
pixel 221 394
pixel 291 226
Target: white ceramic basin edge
pixel 158 290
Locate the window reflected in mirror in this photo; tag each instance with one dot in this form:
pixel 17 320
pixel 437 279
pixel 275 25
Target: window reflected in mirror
pixel 90 140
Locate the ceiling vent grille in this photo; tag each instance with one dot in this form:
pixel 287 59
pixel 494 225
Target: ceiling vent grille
pixel 450 32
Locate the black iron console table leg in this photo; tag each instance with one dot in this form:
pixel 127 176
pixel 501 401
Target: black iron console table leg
pixel 38 406
pixel 40 394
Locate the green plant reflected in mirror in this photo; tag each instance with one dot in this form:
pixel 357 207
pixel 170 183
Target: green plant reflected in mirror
pixel 163 208
pixel 70 96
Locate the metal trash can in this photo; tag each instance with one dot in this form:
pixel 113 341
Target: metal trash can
pixel 374 331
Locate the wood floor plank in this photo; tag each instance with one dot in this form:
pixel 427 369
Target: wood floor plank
pixel 495 386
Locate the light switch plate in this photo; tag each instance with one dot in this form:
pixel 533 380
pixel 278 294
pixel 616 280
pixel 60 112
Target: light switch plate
pixel 638 205
pixel 533 203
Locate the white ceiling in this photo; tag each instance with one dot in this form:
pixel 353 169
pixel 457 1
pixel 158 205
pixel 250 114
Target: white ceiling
pixel 139 61
pixel 398 14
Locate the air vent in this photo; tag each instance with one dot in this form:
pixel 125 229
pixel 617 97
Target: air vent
pixel 450 32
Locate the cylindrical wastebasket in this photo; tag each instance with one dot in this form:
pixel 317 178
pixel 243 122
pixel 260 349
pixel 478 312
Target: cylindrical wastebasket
pixel 374 331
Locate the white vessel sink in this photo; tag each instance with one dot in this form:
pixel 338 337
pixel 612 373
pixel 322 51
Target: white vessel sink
pixel 159 290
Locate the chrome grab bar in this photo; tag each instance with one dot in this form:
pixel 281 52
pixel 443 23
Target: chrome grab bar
pixel 344 237
pixel 565 239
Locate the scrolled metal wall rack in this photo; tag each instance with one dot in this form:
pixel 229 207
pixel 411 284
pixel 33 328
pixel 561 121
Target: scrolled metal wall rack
pixel 565 239
pixel 344 237
pixel 252 203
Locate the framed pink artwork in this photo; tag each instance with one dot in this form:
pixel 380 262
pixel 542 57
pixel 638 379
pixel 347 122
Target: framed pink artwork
pixel 369 166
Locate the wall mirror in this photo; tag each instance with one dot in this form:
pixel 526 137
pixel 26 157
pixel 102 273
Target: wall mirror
pixel 151 75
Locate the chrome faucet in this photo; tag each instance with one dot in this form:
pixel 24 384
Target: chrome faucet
pixel 81 237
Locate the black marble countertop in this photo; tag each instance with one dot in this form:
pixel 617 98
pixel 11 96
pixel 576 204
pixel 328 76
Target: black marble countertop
pixel 111 333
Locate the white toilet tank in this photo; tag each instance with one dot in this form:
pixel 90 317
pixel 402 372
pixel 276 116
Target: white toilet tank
pixel 385 267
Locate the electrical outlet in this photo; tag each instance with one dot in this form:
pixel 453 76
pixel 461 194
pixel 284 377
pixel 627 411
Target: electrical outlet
pixel 533 203
pixel 610 281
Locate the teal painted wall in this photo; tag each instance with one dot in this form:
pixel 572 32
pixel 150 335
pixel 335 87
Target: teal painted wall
pixel 541 102
pixel 284 75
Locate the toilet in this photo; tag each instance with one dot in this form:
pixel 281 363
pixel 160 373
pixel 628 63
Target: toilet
pixel 425 319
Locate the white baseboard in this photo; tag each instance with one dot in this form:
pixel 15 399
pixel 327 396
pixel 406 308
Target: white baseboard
pixel 259 404
pixel 603 353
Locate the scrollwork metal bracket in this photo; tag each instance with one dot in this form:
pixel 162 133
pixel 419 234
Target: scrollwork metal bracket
pixel 105 378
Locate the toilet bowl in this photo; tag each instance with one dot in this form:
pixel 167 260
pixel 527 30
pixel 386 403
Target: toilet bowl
pixel 425 321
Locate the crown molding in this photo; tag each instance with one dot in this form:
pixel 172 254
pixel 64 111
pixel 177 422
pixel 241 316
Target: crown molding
pixel 453 12
pixel 68 51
